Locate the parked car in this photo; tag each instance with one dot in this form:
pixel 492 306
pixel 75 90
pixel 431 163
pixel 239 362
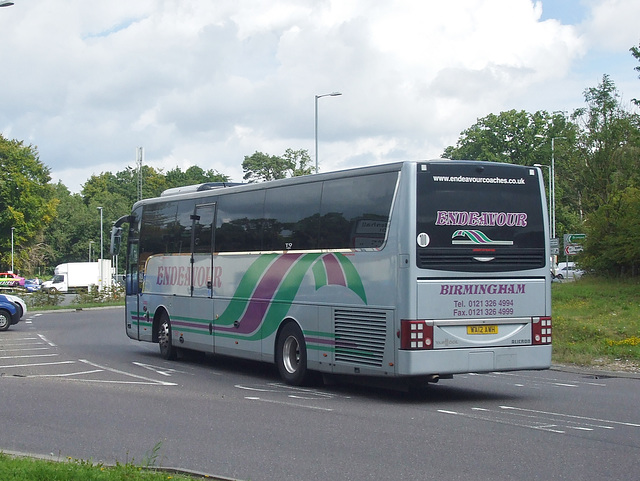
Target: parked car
pixel 9 314
pixel 568 270
pixel 32 285
pixel 22 306
pixel 9 279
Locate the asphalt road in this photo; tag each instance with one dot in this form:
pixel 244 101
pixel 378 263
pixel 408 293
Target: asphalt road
pixel 73 385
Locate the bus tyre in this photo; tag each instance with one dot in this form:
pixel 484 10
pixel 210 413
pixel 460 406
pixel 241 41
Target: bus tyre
pixel 5 320
pixel 291 355
pixel 167 351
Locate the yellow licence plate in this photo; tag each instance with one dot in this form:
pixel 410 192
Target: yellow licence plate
pixel 484 329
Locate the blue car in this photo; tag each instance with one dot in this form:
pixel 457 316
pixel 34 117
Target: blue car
pixel 32 285
pixel 9 313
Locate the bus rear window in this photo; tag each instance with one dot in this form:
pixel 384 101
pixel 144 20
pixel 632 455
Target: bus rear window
pixel 479 217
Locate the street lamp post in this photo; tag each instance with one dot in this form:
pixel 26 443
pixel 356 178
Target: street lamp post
pixel 553 182
pixel 12 229
pixel 101 247
pixel 332 94
pixel 552 186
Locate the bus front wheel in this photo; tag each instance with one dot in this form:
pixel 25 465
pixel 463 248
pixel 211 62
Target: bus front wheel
pixel 291 355
pixel 167 351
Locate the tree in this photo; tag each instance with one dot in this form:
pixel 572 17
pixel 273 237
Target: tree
pixel 27 203
pixel 607 145
pixel 506 137
pixel 635 51
pixel 613 235
pixel 125 184
pixel 261 167
pixel 299 162
pixel 192 176
pixel 67 238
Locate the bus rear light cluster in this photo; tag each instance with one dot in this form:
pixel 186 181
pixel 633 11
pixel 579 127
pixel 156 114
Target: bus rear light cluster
pixel 416 335
pixel 541 330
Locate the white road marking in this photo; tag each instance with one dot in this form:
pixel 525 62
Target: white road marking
pixel 46 340
pixel 27 356
pixel 160 370
pixel 135 376
pixel 572 416
pixel 68 374
pixel 39 364
pixel 317 408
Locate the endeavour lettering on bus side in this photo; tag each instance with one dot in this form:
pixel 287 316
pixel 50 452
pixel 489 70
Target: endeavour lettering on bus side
pixel 181 276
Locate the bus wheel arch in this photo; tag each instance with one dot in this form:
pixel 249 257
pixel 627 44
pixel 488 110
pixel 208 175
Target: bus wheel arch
pixel 162 333
pixel 291 353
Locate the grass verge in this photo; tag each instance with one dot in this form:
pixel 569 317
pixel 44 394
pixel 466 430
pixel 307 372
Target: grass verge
pixel 14 468
pixel 596 323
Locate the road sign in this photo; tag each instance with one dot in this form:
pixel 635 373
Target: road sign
pixel 573 238
pixel 554 244
pixel 572 249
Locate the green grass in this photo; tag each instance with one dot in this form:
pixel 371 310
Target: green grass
pixel 596 322
pixel 28 469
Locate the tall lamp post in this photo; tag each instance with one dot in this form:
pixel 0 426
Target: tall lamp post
pixel 12 229
pixel 332 94
pixel 553 183
pixel 101 248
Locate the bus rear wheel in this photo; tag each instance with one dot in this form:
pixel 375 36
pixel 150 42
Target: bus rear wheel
pixel 167 351
pixel 291 355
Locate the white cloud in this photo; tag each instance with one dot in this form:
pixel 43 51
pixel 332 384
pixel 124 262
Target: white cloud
pixel 612 24
pixel 207 83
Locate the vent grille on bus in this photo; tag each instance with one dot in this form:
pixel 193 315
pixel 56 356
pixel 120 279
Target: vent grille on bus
pixel 360 336
pixel 449 260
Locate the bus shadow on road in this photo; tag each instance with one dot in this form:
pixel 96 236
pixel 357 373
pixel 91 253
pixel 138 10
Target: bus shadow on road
pixel 381 389
pixel 411 392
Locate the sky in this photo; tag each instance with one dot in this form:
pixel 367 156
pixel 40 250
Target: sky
pixel 206 83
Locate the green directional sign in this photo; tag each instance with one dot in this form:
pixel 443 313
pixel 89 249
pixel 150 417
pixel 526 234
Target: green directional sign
pixel 573 238
pixel 572 244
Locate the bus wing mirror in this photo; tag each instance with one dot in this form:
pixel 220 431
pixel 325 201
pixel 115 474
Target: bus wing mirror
pixel 116 233
pixel 116 239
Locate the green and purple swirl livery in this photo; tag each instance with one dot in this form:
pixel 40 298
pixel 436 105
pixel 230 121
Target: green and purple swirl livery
pixel 266 292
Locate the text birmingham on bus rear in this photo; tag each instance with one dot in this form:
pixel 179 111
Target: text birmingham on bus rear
pixel 416 270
